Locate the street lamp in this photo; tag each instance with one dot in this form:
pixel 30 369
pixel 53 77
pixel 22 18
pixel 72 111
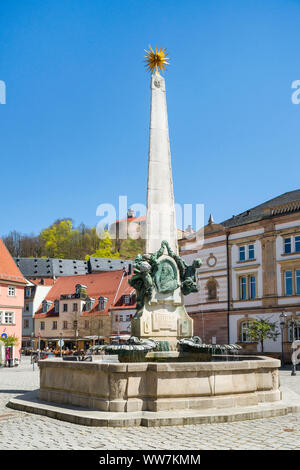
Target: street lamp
pixel 39 346
pixel 282 317
pixel 32 345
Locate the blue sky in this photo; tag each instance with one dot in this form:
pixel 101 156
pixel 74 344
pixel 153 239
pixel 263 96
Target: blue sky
pixel 74 130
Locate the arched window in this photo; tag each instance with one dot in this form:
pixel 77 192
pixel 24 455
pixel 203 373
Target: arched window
pixel 212 289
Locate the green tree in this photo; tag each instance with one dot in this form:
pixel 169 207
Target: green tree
pixel 57 239
pixel 129 248
pixel 261 329
pixel 62 240
pixel 105 248
pixel 10 341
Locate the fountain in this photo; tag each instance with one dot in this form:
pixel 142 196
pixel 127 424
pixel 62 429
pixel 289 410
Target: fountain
pixel 165 375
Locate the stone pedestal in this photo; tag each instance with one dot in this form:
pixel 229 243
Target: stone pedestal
pixel 169 323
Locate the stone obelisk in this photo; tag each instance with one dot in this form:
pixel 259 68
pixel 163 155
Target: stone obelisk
pixel 161 217
pixel 161 278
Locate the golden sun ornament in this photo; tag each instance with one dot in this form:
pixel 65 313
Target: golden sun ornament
pixel 156 59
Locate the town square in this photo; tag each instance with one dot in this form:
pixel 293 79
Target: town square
pixel 172 323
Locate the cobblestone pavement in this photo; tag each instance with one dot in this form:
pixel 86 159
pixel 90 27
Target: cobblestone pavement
pixel 23 431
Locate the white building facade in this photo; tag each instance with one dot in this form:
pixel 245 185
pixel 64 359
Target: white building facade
pixel 250 270
pixel 34 293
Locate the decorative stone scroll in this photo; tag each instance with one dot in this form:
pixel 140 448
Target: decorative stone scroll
pixel 296 352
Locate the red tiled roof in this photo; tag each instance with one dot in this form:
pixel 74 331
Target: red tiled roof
pixel 9 271
pixel 109 284
pixel 47 281
pixel 124 307
pixel 125 289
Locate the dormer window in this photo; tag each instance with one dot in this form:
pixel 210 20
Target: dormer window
pixel 89 304
pixel 80 290
pixel 46 305
pixel 102 303
pixel 56 306
pixel 126 299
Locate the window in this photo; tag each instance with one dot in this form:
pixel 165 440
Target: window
pixel 65 307
pixel 75 324
pixel 26 323
pixel 247 286
pixel 89 304
pixel 291 245
pixel 251 252
pixel 252 287
pixel 121 318
pixel 28 292
pixel 243 288
pixel 46 305
pixel 288 279
pixel 9 318
pixel 56 306
pixel 211 289
pixel 128 317
pixel 242 253
pixel 287 245
pixel 245 338
pixel 102 303
pixel 11 291
pixel 75 307
pixel 297 281
pixel 54 325
pixel 27 308
pixel 296 332
pixel 65 325
pixel 42 325
pixel 297 244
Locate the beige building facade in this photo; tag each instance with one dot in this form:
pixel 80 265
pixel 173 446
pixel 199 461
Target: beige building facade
pixel 78 310
pixel 250 269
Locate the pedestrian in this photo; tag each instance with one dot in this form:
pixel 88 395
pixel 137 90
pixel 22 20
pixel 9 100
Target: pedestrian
pixel 7 357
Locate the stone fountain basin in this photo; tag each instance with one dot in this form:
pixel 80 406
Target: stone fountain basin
pixel 131 387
